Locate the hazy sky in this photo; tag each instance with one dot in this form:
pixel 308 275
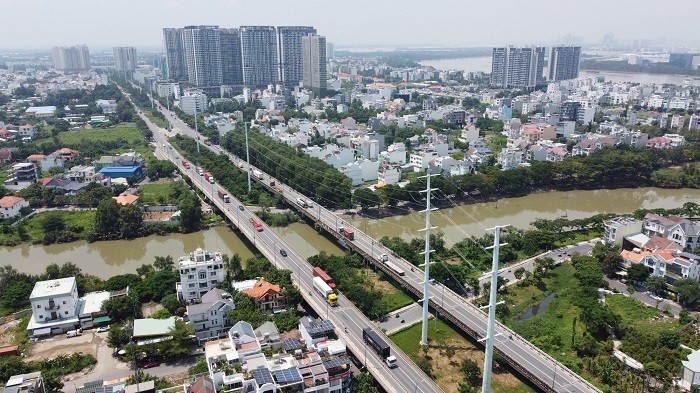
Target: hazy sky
pixel 42 24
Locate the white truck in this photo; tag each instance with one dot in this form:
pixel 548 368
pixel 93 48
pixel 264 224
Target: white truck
pixel 326 291
pixel 257 173
pixel 302 202
pixel 73 333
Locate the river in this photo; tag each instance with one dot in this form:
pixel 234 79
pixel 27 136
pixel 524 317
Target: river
pixel 483 64
pixel 105 259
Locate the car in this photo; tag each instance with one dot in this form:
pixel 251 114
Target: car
pixel 152 364
pixel 102 329
pixel 655 297
pixel 283 253
pixel 240 207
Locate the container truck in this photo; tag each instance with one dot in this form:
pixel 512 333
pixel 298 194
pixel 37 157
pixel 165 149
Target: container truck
pixel 318 272
pixel 380 346
pixel 395 268
pixel 348 233
pixel 325 291
pixel 208 177
pixel 224 196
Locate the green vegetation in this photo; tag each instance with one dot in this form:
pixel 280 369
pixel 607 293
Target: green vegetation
pixel 162 192
pixel 51 370
pixel 49 227
pixel 125 133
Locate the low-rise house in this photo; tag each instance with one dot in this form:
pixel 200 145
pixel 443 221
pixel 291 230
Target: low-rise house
pixel 268 296
pixel 691 371
pixel 67 186
pixel 11 206
pixel 66 153
pixel 150 330
pixel 686 233
pixel 510 158
pixel 128 199
pixel 616 229
pixel 268 336
pixel 203 384
pixel 55 307
pixel 27 131
pixel 40 111
pixel 107 106
pixel 31 383
pixel 5 156
pixel 557 154
pixel 361 170
pixel 388 174
pixel 51 161
pixel 421 159
pixel 314 331
pixel 210 317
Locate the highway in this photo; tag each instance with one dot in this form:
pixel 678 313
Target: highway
pixel 348 320
pixel 540 368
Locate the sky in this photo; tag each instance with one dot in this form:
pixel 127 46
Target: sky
pixel 42 24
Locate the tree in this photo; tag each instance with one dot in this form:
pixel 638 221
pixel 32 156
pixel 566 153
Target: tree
pixel 130 221
pixel 106 216
pixel 171 303
pixel 181 342
pixel 163 313
pixel 190 215
pixel 364 383
pixel 688 290
pixel 118 336
pixel 519 273
pixel 670 340
pixel 609 257
pixel 164 263
pixel 657 285
pixel 53 223
pixel 638 273
pixel 471 372
pixel 366 198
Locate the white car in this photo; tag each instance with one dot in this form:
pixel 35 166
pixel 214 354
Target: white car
pixel 102 329
pixel 655 297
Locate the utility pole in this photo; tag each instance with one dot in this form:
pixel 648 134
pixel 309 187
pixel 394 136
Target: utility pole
pixel 426 263
pixel 196 128
pixel 247 152
pixel 488 357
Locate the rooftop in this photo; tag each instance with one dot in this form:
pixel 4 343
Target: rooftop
pixel 92 302
pixel 261 288
pixel 149 327
pixel 9 201
pixel 58 287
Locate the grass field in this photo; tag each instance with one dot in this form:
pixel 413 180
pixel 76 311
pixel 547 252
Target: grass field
pixel 162 123
pixel 394 297
pixel 445 353
pixel 161 192
pixel 81 219
pixel 636 313
pixel 124 131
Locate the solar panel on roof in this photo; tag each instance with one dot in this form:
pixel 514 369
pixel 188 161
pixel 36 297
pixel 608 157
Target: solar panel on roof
pixel 104 389
pixel 336 362
pixel 262 376
pixel 321 327
pixel 288 375
pixel 291 344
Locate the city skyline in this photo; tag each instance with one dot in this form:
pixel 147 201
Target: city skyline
pixel 360 24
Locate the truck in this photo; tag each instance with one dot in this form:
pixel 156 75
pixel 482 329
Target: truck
pixel 302 202
pixel 348 233
pixel 321 287
pixel 208 177
pixel 318 272
pixel 186 164
pixel 73 333
pixel 395 268
pixel 224 196
pixel 257 173
pixel 380 346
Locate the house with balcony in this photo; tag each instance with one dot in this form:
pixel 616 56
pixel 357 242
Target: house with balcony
pixel 686 233
pixel 21 176
pixel 617 228
pixel 30 383
pixel 55 307
pixel 200 271
pixel 267 296
pixel 210 317
pixel 510 158
pixel 556 154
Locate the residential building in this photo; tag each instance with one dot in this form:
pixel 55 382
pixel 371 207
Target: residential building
pixel 203 384
pixel 686 233
pixel 268 336
pixel 200 271
pixel 672 265
pixel 21 176
pixel 27 131
pixel 151 330
pixel 174 48
pixel 259 55
pixel 569 110
pixel 267 296
pixel 210 317
pixel 71 58
pixel 107 106
pixel 616 229
pixel 125 58
pixel 30 383
pixel 40 111
pixel 563 63
pixel 10 206
pixel 231 61
pixel 292 55
pixel 313 56
pixel 656 225
pixel 55 307
pixel 314 331
pixel 203 55
pixel 517 67
pixel 421 159
pixel 168 89
pixel 388 174
pixel 691 369
pixel 694 123
pixel 556 154
pixel 510 158
pixel 193 101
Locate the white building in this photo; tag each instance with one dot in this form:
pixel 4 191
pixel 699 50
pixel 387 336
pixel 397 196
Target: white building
pixel 394 154
pixel 193 100
pixel 200 271
pixel 209 317
pixel 469 133
pixel 361 171
pixel 107 106
pixel 691 371
pixel 421 159
pixel 510 158
pixel 27 131
pixel 168 89
pixel 10 206
pixel 616 229
pixel 55 307
pixel 388 174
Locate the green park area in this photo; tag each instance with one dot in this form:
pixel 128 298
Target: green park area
pixel 126 132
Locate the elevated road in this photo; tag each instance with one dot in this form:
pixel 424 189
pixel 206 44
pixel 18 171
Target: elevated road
pixel 348 320
pixel 540 368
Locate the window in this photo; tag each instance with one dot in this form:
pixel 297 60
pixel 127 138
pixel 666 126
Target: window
pixel 212 274
pixel 191 276
pixel 38 306
pixel 66 312
pixel 202 275
pixel 191 285
pixel 64 302
pixel 41 317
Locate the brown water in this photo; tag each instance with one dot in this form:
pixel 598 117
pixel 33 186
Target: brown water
pixel 472 220
pixel 105 259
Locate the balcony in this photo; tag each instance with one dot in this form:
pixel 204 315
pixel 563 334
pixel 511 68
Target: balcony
pixel 52 307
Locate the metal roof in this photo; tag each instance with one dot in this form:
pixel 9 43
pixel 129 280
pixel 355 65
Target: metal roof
pixel 150 327
pixel 320 327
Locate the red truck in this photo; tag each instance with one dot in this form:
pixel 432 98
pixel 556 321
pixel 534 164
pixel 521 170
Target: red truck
pixel 224 196
pixel 318 272
pixel 347 232
pixel 208 177
pixel 186 164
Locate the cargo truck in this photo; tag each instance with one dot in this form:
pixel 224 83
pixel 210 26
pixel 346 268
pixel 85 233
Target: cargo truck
pixel 318 272
pixel 321 287
pixel 348 233
pixel 224 196
pixel 380 346
pixel 208 177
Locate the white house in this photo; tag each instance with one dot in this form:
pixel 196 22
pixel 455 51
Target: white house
pixel 55 307
pixel 107 106
pixel 361 171
pixel 51 161
pixel 209 317
pixel 200 271
pixel 691 371
pixel 394 154
pixel 469 133
pixel 388 174
pixel 421 159
pixel 685 233
pixel 27 131
pixel 10 206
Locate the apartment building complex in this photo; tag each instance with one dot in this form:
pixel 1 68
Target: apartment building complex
pixel 563 63
pixel 71 58
pixel 125 58
pixel 517 67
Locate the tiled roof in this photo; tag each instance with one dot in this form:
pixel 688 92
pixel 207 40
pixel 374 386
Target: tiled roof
pixel 261 288
pixel 10 201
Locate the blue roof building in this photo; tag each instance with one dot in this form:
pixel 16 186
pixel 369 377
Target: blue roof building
pixel 122 171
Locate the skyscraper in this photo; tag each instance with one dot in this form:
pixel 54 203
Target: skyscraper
pixel 175 64
pixel 563 63
pixel 259 55
pixel 231 68
pixel 203 54
pixel 313 49
pixel 71 58
pixel 289 44
pixel 517 67
pixel 125 58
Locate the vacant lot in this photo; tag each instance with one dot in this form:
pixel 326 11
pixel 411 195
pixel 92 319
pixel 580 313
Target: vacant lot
pixel 445 353
pixel 161 192
pixel 122 132
pixel 394 297
pixel 79 222
pixel 61 345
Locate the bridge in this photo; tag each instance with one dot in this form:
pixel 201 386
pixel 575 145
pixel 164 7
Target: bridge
pixel 540 368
